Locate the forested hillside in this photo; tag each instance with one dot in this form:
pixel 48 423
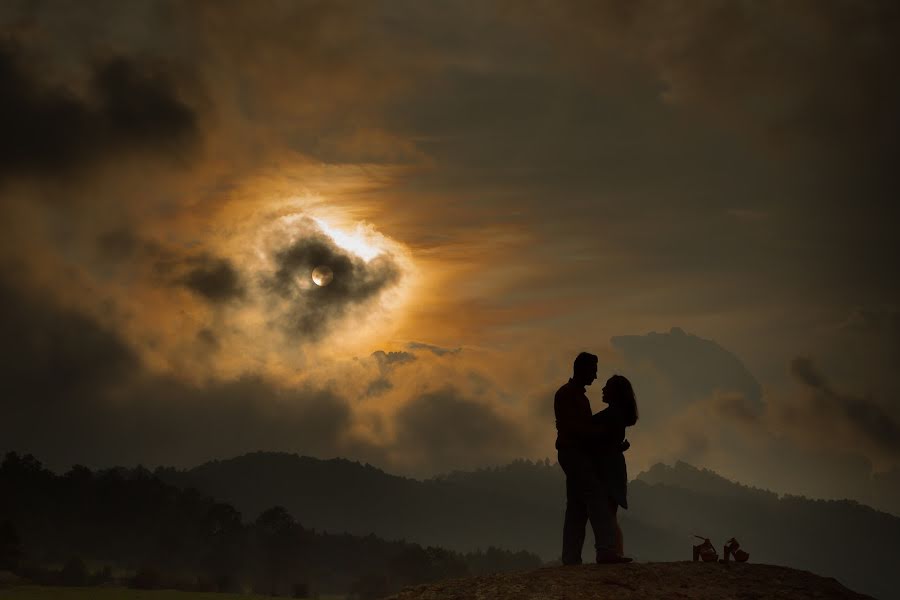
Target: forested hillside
pixel 129 527
pixel 521 505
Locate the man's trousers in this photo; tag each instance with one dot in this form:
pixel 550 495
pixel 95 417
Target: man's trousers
pixel 586 499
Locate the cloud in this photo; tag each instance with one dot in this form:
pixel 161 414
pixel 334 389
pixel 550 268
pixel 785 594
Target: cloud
pixel 736 407
pixel 605 140
pixel 50 129
pixel 804 370
pixel 436 350
pixel 823 90
pixel 50 354
pixel 830 418
pixel 386 360
pixel 307 310
pixel 379 386
pixel 683 368
pixel 444 429
pixel 213 278
pixel 75 392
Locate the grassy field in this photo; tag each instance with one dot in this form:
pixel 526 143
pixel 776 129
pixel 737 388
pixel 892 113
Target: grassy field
pixel 34 592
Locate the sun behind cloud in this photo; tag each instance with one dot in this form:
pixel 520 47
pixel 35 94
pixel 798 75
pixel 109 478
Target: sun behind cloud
pixel 360 242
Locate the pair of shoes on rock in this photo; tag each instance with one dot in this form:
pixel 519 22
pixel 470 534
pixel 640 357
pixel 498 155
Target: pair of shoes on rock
pixel 707 552
pixel 612 558
pixel 733 548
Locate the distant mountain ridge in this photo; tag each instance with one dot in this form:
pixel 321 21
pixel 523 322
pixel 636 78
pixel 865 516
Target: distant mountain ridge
pixel 684 475
pixel 521 506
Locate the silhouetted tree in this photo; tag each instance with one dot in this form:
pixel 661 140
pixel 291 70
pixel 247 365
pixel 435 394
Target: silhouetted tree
pixel 410 566
pixel 10 547
pixel 225 541
pixel 370 586
pixel 74 573
pixel 276 535
pixel 187 539
pixel 147 578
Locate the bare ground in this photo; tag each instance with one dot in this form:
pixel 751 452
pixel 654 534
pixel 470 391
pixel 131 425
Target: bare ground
pixel 644 581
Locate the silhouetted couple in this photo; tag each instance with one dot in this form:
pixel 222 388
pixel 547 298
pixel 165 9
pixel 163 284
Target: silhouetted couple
pixel 591 452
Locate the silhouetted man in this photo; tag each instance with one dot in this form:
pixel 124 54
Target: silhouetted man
pixel 586 498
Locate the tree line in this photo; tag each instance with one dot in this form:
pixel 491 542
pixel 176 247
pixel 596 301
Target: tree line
pixel 128 527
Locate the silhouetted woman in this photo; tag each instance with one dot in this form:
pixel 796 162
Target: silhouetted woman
pixel 609 455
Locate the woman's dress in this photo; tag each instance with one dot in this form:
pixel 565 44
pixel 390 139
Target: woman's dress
pixel 608 455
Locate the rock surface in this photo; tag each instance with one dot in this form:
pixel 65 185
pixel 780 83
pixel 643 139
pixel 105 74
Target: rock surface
pixel 645 581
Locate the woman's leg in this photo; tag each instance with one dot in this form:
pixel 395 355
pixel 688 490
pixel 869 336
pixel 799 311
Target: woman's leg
pixel 620 542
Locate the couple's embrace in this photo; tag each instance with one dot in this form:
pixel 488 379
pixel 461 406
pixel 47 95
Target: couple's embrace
pixel 591 452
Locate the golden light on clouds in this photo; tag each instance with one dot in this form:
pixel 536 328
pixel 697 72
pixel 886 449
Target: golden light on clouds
pixel 362 242
pixel 486 206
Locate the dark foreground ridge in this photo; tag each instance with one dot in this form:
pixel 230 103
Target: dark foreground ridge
pixel 645 581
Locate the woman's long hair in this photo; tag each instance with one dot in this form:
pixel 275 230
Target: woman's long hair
pixel 622 394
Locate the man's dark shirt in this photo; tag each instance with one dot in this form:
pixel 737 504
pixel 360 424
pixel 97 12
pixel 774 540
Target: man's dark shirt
pixel 573 417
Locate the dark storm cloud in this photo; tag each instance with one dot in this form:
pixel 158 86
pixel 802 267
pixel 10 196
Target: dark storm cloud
pixel 223 418
pixel 448 430
pixel 215 279
pixel 166 421
pixel 831 416
pixel 50 355
pixel 312 309
pixel 49 129
pixel 74 392
pixel 695 367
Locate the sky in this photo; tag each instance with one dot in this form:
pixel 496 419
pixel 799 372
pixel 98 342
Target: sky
pixel 702 193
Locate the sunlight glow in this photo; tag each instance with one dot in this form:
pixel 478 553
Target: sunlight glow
pixel 359 242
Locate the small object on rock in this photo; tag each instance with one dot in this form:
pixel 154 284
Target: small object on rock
pixel 705 551
pixel 733 547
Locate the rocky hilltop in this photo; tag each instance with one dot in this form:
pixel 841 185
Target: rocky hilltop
pixel 640 581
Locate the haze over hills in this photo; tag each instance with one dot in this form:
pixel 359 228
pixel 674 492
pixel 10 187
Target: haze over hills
pixel 521 506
